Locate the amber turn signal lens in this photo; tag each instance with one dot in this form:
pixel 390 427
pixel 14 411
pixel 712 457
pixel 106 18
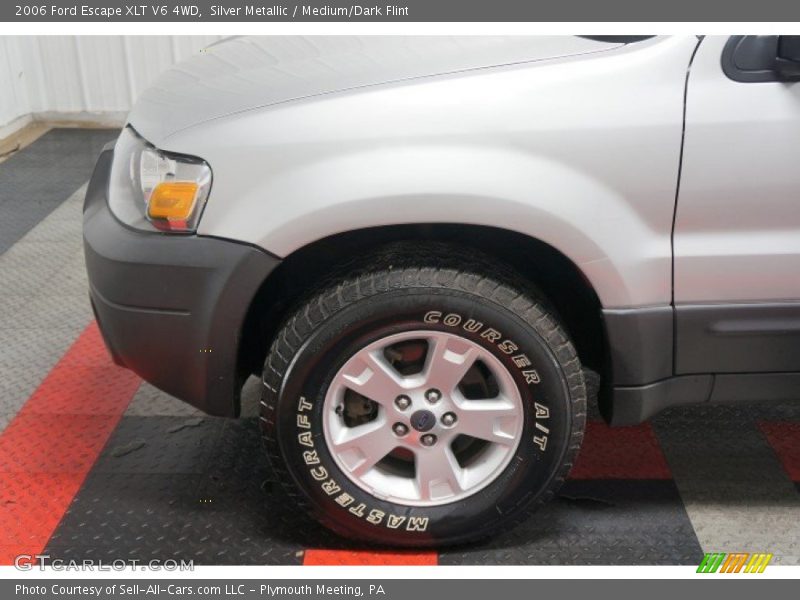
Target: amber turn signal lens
pixel 172 200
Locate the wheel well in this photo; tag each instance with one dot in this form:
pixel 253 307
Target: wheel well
pixel 559 279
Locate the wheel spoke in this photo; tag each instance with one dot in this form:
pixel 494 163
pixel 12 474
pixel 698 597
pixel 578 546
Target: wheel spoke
pixel 393 453
pixel 493 420
pixel 449 359
pixel 362 447
pixel 371 376
pixel 438 474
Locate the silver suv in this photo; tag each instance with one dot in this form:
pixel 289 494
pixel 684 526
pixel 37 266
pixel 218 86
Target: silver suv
pixel 428 247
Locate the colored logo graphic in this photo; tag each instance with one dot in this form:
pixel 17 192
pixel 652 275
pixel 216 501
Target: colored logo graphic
pixel 740 562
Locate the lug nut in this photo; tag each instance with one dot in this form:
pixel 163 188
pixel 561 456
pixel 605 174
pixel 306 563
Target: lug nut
pixel 428 439
pixel 448 419
pixel 433 396
pixel 399 429
pixel 402 402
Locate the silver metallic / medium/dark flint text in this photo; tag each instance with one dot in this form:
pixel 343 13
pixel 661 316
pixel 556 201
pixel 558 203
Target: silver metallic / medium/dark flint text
pixel 354 10
pixel 249 10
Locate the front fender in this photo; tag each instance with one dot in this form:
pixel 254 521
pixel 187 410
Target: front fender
pixel 581 153
pixel 575 213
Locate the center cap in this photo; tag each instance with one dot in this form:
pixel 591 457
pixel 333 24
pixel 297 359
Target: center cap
pixel 423 420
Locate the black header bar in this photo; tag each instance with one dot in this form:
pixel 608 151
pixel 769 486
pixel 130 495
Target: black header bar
pixel 629 11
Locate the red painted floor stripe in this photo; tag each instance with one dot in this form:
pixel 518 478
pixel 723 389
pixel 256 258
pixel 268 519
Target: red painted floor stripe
pixel 364 557
pixel 52 443
pixel 620 453
pixel 785 440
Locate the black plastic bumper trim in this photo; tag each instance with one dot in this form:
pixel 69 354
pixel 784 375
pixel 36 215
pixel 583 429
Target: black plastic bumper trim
pixel 747 387
pixel 737 338
pixel 640 344
pixel 164 311
pixel 171 308
pixel 634 405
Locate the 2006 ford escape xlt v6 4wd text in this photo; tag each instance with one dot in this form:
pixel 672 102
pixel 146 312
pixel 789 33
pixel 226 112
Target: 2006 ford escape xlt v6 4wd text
pixel 427 247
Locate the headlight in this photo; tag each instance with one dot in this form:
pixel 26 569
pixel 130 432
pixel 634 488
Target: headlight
pixel 151 189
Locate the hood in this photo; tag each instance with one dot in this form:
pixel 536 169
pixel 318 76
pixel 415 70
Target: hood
pixel 245 73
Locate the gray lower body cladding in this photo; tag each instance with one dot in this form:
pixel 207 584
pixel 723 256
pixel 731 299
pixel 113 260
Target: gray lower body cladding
pixel 171 307
pixel 692 354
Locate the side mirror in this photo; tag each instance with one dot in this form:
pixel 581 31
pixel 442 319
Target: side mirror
pixel 787 61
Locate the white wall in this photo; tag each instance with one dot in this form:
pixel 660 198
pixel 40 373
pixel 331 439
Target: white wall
pixel 81 77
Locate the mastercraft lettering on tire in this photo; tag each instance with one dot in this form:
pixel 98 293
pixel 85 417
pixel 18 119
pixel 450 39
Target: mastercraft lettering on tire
pixel 434 250
pixel 391 422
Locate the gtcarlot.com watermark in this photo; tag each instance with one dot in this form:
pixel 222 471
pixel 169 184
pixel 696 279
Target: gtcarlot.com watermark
pixel 29 562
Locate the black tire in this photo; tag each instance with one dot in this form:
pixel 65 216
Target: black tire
pixel 389 293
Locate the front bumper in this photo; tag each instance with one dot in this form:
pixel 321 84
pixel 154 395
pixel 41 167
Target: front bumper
pixel 171 307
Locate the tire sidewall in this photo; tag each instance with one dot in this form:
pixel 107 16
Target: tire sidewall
pixel 519 345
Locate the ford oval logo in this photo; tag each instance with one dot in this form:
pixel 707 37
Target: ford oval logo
pixel 423 420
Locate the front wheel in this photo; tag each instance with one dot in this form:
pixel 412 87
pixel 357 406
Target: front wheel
pixel 420 401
